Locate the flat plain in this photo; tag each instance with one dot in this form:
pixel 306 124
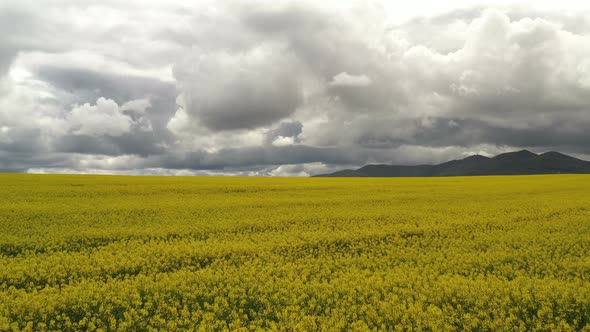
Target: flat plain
pixel 112 253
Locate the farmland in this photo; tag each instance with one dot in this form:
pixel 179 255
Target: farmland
pixel 110 253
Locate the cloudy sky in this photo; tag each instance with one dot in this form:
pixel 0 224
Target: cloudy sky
pixel 287 87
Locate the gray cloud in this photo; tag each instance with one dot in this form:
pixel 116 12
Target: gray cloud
pixel 15 24
pixel 287 88
pixel 443 132
pixel 24 141
pixel 86 85
pixel 142 144
pixel 246 91
pixel 290 130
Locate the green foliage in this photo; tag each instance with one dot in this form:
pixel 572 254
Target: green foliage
pixel 105 253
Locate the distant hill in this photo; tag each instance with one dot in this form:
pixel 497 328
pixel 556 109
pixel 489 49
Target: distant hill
pixel 512 163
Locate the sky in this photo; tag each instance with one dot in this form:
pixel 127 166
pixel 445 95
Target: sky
pixel 287 88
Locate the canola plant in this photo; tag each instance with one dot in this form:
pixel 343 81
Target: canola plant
pixel 116 253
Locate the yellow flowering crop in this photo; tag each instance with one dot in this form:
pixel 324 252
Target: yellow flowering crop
pixel 115 253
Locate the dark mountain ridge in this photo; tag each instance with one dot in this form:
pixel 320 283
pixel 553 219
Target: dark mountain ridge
pixel 512 163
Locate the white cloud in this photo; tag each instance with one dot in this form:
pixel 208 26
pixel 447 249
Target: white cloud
pixel 289 170
pixel 283 141
pixel 137 106
pixel 399 13
pixel 103 118
pixel 346 79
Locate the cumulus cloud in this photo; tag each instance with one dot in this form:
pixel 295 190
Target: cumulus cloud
pixel 104 118
pixel 284 87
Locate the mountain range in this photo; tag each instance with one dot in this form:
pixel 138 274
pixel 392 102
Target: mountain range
pixel 512 163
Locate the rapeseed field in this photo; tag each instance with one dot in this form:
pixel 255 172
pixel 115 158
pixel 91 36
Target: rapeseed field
pixel 116 253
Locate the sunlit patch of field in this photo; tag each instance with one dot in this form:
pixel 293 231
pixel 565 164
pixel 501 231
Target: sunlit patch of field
pixel 184 253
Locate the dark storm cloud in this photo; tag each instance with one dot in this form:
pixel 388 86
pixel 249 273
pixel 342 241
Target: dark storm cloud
pixel 136 143
pixel 440 132
pixel 22 161
pixel 240 92
pixel 257 158
pixel 260 156
pixel 252 104
pixel 25 140
pixel 120 88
